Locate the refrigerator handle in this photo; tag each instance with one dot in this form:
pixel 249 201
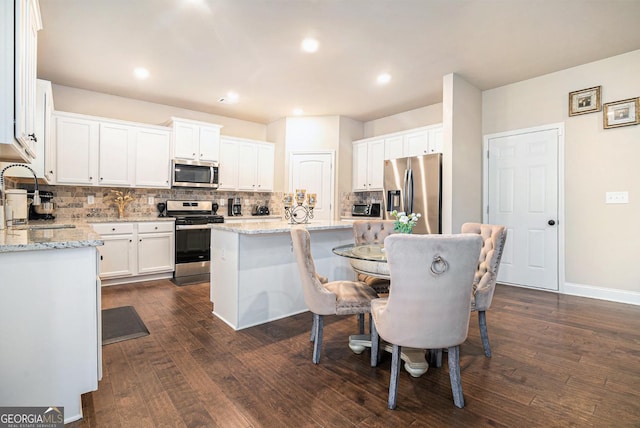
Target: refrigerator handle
pixel 405 191
pixel 409 192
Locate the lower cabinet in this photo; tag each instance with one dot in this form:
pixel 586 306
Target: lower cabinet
pixel 132 251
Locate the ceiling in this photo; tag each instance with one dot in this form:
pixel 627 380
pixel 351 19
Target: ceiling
pixel 199 50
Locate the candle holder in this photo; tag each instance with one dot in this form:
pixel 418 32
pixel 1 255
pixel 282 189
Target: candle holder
pixel 299 213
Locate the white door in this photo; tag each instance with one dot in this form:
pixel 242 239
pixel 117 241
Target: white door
pixel 522 194
pixel 314 173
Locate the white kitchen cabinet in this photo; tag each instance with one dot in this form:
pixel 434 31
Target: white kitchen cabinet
pixel 156 251
pixel 132 251
pixel 77 145
pixel 115 154
pixel 43 163
pixel 228 166
pixel 413 142
pixel 368 165
pixel 195 140
pixel 95 151
pixel 19 25
pixel 118 254
pixel 416 143
pixel 152 163
pixel 393 147
pixel 255 166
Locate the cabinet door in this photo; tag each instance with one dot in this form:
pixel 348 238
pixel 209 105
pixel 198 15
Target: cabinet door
pixel 360 167
pixel 209 143
pixel 117 256
pixel 265 161
pixel 416 143
pixel 152 158
pixel 247 164
pixel 27 20
pixel 185 145
pixel 393 147
pixel 115 155
pixel 228 170
pixel 435 140
pixel 155 252
pixel 375 165
pixel 76 151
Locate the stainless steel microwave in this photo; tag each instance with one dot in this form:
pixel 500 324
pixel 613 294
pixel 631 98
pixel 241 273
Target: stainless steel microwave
pixel 186 173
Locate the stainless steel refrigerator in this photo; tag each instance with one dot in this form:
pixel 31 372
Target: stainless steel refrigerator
pixel 413 185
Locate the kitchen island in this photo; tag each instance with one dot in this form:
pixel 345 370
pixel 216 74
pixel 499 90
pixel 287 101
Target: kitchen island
pixel 254 275
pixel 49 317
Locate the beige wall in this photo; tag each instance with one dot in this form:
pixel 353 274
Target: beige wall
pixel 602 242
pixel 104 105
pixel 423 116
pixel 462 153
pixel 350 130
pixel 276 133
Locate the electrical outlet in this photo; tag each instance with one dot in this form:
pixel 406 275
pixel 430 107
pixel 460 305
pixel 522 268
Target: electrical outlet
pixel 150 200
pixel 91 199
pixel 617 198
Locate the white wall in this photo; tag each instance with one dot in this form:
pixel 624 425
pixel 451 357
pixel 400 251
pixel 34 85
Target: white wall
pixel 423 116
pixel 276 133
pixel 350 130
pixel 104 105
pixel 602 242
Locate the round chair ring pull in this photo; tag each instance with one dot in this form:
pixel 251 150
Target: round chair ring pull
pixel 439 265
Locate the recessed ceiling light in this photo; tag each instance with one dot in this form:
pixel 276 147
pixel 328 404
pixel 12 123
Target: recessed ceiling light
pixel 230 98
pixel 383 78
pixel 141 73
pixel 310 45
pixel 298 112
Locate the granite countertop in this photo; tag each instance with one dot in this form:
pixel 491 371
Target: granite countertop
pixel 255 228
pixel 39 237
pixel 93 220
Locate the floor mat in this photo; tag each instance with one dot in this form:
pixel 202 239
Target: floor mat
pixel 120 324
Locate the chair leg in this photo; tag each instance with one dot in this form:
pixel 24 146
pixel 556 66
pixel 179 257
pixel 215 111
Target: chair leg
pixel 317 344
pixel 360 323
pixel 395 373
pixel 454 375
pixel 370 322
pixel 375 345
pixel 313 329
pixel 482 321
pixel 435 357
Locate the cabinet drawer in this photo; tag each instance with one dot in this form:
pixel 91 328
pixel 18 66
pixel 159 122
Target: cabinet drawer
pixel 159 226
pixel 113 228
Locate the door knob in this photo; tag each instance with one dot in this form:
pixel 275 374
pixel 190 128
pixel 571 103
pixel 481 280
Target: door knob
pixel 551 222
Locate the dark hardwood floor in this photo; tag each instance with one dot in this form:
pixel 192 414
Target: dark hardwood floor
pixel 557 361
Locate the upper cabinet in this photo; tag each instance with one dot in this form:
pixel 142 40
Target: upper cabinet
pixel 19 25
pixel 414 142
pixel 368 165
pixel 195 140
pixel 246 165
pixel 97 152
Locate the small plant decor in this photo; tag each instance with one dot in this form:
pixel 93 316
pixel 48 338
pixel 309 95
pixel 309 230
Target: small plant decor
pixel 405 223
pixel 120 199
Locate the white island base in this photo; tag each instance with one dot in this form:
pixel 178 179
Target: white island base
pixel 254 275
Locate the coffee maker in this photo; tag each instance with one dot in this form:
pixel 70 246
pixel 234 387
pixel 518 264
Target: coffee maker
pixel 44 211
pixel 234 207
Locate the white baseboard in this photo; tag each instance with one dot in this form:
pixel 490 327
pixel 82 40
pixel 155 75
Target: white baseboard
pixel 611 294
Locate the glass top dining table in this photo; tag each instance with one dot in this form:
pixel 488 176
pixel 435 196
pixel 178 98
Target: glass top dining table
pixel 367 259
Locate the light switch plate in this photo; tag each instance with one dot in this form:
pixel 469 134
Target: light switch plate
pixel 150 200
pixel 617 198
pixel 91 199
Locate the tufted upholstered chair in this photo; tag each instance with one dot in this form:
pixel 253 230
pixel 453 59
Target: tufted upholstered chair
pixel 373 232
pixel 328 298
pixel 428 305
pixel 484 282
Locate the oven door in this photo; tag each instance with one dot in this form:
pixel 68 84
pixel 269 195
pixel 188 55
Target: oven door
pixel 193 250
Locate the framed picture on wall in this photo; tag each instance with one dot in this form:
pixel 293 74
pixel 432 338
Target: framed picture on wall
pixel 622 113
pixel 585 101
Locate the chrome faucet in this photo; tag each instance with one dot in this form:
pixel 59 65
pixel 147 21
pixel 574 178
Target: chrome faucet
pixel 3 195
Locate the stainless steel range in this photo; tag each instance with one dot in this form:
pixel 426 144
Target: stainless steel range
pixel 193 239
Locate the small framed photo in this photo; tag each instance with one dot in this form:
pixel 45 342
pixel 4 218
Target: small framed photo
pixel 585 101
pixel 622 113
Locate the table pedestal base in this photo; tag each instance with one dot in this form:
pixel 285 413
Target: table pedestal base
pixel 415 362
